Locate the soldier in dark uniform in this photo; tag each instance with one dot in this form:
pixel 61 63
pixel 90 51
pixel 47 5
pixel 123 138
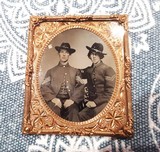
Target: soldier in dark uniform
pixel 61 89
pixel 100 83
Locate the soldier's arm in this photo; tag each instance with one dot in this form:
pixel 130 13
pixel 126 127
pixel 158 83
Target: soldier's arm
pixel 46 89
pixel 78 94
pixel 108 87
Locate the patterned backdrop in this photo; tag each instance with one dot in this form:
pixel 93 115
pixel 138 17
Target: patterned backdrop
pixel 144 31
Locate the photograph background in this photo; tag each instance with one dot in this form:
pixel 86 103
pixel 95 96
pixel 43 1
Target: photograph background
pixel 144 31
pixel 78 39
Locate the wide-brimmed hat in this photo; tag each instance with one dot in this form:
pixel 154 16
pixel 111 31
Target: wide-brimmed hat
pixel 96 47
pixel 65 46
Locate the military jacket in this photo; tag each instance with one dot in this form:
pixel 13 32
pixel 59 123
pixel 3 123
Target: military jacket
pixel 100 82
pixel 62 77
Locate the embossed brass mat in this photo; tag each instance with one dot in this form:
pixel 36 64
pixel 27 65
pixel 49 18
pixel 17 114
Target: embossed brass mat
pixel 104 35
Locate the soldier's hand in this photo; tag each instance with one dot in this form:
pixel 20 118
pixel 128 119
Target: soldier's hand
pixel 80 80
pixel 91 104
pixel 57 102
pixel 68 103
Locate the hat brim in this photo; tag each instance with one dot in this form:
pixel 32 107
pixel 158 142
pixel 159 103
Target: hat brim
pixel 70 50
pixel 94 50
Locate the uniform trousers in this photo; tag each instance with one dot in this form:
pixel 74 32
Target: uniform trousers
pixel 70 113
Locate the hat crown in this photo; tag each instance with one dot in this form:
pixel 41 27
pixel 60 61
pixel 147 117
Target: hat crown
pixel 65 45
pixel 97 46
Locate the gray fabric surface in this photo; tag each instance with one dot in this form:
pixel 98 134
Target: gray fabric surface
pixel 144 31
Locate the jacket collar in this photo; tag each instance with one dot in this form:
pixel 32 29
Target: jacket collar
pixel 97 65
pixel 67 65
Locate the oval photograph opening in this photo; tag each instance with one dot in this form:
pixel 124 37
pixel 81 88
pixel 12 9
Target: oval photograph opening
pixel 77 75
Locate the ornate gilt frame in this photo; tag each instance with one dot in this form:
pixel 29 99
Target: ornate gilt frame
pixel 116 119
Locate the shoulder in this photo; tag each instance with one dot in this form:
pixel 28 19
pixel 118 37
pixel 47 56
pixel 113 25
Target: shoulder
pixel 106 67
pixel 109 70
pixel 102 65
pixel 51 70
pixel 74 70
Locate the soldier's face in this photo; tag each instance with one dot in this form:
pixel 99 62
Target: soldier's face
pixel 95 57
pixel 64 55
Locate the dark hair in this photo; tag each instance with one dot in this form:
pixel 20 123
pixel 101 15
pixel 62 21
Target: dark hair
pixel 99 54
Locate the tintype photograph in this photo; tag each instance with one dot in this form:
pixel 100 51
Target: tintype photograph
pixel 78 76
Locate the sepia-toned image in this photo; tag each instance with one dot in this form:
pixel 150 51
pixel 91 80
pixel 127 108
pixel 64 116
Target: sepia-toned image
pixel 77 74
